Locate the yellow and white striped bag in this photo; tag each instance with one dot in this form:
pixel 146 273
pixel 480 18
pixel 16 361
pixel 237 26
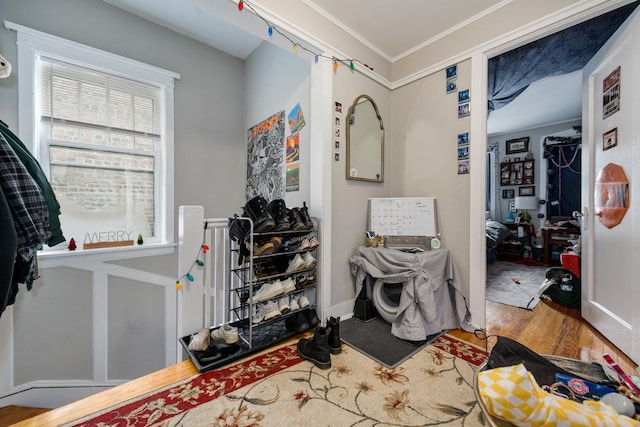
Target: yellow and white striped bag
pixel 512 394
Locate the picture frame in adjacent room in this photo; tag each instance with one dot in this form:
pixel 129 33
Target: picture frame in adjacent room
pixel 508 194
pixel 529 190
pixel 517 145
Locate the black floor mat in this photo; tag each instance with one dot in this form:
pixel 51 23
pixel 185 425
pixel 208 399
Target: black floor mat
pixel 374 339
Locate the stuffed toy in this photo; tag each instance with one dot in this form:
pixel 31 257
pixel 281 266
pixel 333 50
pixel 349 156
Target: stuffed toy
pixel 5 68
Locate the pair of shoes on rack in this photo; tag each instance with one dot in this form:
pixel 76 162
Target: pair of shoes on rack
pixel 308 244
pixel 266 311
pixel 302 320
pixel 301 262
pixel 267 247
pixel 325 342
pixel 257 209
pixel 287 304
pixel 226 333
pixel 305 280
pixel 275 216
pixel 268 290
pixel 273 289
pixel 200 340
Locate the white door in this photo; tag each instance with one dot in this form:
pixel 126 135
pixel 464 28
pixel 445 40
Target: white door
pixel 610 262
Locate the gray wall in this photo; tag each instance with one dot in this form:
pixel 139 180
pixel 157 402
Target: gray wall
pixel 425 133
pixel 349 198
pixel 269 90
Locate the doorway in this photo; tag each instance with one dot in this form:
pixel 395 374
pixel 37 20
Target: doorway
pixel 550 193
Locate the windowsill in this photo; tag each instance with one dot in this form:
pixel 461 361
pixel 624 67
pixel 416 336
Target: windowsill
pixel 59 257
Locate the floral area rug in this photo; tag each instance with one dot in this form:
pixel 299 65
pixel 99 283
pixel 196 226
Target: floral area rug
pixel 432 388
pixel 514 284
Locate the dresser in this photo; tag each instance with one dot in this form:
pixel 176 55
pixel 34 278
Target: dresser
pixel 516 247
pixel 556 240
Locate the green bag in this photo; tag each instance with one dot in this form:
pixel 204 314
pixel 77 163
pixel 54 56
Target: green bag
pixel 566 289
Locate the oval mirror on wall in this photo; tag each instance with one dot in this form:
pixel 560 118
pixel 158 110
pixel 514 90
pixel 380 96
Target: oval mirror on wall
pixel 365 141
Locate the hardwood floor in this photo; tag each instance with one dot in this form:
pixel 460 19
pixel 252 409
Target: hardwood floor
pixel 547 329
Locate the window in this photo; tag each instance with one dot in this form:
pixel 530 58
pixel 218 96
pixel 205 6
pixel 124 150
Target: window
pixel 100 127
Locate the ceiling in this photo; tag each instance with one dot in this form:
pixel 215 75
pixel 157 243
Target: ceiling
pixel 377 24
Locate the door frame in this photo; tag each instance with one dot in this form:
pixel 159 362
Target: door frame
pixel 478 132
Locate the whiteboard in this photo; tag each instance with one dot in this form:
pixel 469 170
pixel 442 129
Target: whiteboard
pixel 403 216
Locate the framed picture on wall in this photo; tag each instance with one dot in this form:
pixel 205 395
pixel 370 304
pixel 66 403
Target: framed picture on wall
pixel 518 145
pixel 610 139
pixel 529 190
pixel 508 194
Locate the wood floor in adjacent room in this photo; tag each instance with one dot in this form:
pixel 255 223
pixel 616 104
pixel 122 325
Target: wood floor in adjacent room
pixel 550 328
pixel 547 329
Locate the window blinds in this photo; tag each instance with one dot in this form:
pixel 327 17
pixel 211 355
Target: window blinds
pixel 71 93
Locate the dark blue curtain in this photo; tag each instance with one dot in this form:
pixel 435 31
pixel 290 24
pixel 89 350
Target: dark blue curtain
pixel 560 53
pixel 564 166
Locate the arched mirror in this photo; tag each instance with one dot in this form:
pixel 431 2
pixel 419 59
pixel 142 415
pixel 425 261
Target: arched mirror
pixel 365 141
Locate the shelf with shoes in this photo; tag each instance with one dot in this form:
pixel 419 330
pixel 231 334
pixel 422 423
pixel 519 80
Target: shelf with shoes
pixel 269 286
pixel 275 295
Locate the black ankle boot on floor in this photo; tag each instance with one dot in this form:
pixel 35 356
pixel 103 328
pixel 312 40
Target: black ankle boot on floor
pixel 335 345
pixel 316 350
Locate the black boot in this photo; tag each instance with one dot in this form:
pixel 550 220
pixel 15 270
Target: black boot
pixel 316 350
pixel 278 211
pixel 312 317
pixel 304 215
pixel 257 209
pixel 296 323
pixel 335 345
pixel 295 220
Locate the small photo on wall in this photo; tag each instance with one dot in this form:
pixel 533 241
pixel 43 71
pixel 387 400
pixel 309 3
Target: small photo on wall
pixel 463 138
pixel 464 110
pixel 463 167
pixel 610 139
pixel 452 86
pixel 452 71
pixel 463 153
pixel 463 96
pixel 508 194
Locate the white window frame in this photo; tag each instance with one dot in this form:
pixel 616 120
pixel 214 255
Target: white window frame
pixel 32 43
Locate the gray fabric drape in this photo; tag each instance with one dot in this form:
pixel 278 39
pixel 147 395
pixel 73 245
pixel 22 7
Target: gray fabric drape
pixel 431 300
pixel 560 53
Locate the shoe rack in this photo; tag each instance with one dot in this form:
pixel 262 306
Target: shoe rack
pixel 220 291
pixel 276 258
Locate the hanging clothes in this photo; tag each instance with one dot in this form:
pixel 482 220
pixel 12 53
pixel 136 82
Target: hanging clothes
pixel 30 216
pixel 54 232
pixel 563 177
pixel 8 250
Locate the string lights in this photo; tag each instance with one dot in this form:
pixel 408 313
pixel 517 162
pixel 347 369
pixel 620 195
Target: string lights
pixel 198 262
pixel 351 63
